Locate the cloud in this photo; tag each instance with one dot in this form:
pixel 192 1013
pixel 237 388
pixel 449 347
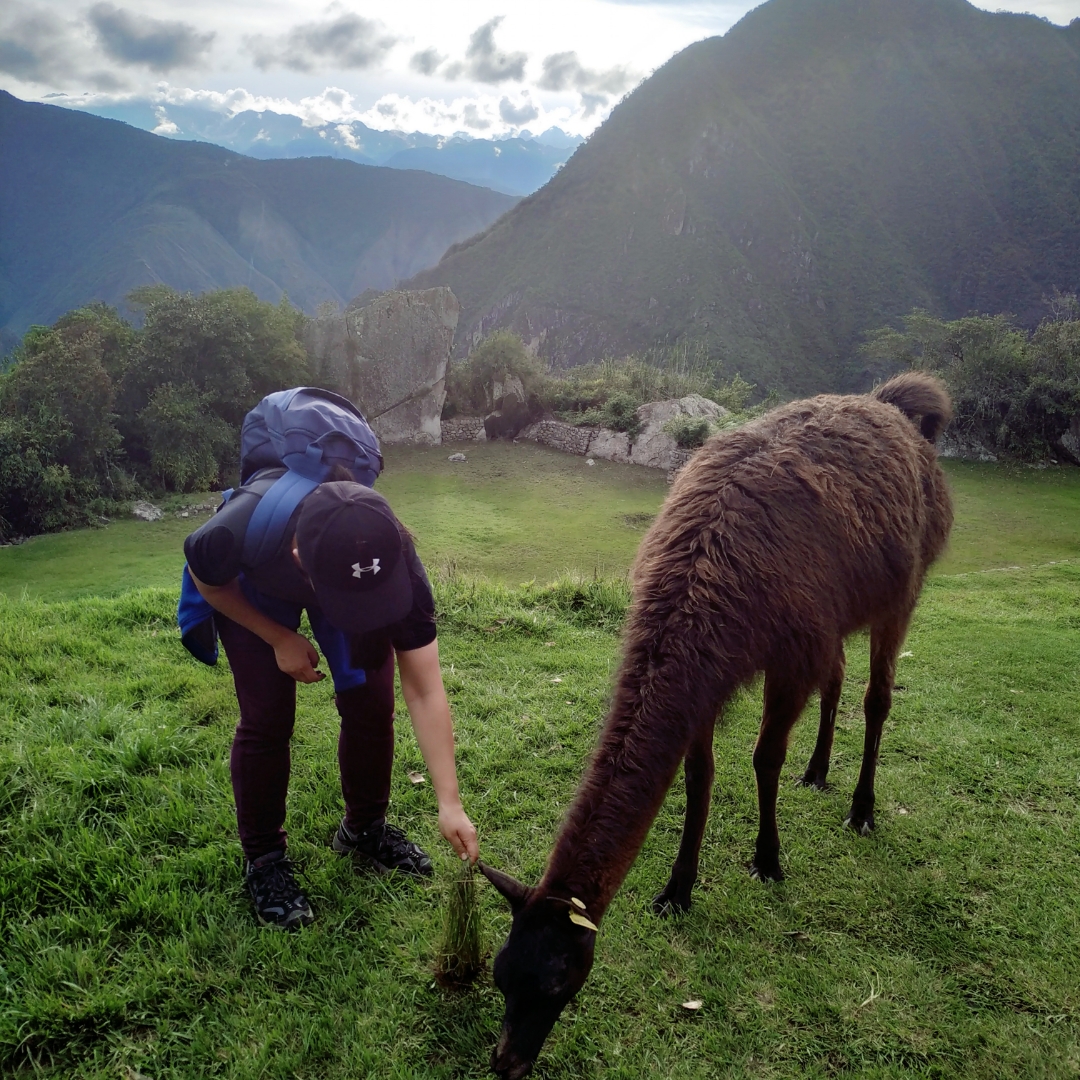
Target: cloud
pixel 164 125
pixel 517 114
pixel 472 118
pixel 131 38
pixel 563 71
pixel 484 62
pixel 426 61
pixel 38 47
pixel 347 42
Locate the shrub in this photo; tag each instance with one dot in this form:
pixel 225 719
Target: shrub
pixel 185 439
pixel 470 384
pixel 689 432
pixel 37 494
pixel 1013 392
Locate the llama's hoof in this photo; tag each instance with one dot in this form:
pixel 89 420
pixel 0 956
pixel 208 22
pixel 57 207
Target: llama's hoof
pixel 863 824
pixel 813 778
pixel 760 870
pixel 670 902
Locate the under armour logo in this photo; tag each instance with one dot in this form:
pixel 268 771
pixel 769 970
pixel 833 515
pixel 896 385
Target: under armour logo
pixel 360 571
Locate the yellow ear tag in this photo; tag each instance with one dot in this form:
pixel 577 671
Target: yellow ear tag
pixel 580 920
pixel 577 903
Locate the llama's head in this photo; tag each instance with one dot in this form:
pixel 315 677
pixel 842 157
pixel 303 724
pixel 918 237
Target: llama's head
pixel 541 966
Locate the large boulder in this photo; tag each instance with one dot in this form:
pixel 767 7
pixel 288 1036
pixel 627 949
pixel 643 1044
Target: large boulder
pixel 653 446
pixel 389 354
pixel 1070 440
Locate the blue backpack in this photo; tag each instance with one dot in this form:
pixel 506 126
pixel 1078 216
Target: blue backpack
pixel 308 431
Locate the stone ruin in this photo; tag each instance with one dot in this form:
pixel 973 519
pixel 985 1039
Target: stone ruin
pixel 652 446
pixel 389 353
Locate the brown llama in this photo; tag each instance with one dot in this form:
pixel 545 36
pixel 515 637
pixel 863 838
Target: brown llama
pixel 776 541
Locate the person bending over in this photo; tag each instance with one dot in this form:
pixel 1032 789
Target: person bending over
pixel 350 563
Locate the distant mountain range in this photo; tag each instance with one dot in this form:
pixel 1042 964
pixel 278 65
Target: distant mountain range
pixel 516 166
pixel 91 208
pixel 771 195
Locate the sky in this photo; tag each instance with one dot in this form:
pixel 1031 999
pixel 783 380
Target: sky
pixel 490 69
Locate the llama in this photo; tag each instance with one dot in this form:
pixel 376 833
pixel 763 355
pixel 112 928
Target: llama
pixel 776 542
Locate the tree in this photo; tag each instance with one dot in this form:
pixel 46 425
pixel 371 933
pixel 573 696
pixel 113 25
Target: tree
pixel 227 349
pixel 59 379
pixel 471 385
pixel 1013 392
pixel 186 441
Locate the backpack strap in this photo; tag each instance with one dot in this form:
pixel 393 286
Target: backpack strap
pixel 271 517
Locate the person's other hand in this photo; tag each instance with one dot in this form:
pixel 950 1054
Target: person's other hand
pixel 459 831
pixel 296 656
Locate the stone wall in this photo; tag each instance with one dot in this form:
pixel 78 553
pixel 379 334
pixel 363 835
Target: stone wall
pixel 464 429
pixel 652 446
pixel 389 355
pixel 561 436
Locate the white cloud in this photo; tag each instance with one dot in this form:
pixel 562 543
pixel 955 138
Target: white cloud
pixel 164 125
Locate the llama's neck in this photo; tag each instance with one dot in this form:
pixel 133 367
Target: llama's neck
pixel 643 742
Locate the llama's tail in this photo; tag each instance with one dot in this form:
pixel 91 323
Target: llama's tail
pixel 922 398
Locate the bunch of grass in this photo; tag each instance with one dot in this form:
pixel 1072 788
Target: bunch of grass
pixel 460 956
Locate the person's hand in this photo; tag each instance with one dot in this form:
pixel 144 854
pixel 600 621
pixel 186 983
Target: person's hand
pixel 459 831
pixel 296 656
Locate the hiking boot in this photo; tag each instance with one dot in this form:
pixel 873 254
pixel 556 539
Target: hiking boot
pixel 384 847
pixel 279 901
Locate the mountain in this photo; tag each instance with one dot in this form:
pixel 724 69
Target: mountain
pixel 91 208
pixel 514 166
pixel 772 194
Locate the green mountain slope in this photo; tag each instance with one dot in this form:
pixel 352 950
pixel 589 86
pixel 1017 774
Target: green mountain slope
pixel 823 167
pixel 90 208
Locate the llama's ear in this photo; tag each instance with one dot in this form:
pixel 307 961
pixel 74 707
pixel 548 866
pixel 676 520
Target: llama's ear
pixel 516 894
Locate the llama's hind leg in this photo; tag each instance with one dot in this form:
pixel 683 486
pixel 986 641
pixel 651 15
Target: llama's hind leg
pixel 784 700
pixel 817 769
pixel 885 643
pixel 698 768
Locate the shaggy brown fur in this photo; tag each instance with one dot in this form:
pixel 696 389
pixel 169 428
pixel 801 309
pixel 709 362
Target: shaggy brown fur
pixel 776 542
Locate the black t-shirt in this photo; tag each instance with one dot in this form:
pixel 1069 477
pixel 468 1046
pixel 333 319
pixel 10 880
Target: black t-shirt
pixel 214 552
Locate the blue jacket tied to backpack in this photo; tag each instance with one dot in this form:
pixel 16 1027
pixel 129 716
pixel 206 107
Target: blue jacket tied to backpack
pixel 307 431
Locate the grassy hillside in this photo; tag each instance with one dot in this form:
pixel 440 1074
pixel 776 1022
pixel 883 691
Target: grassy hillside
pixel 92 208
pixel 824 167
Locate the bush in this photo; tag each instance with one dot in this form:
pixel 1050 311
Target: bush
pixel 187 442
pixel 689 432
pixel 1013 392
pixel 470 384
pixel 36 493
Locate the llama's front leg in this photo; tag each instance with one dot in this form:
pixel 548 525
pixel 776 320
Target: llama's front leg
pixel 817 769
pixel 698 769
pixel 884 645
pixel 783 703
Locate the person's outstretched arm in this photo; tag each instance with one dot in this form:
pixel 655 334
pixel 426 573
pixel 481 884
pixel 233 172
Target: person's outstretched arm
pixel 295 655
pixel 429 711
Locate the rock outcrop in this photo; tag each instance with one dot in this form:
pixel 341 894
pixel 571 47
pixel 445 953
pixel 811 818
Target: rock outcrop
pixel 652 446
pixel 389 354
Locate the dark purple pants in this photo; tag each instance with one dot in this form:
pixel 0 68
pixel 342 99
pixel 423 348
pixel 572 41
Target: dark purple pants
pixel 260 751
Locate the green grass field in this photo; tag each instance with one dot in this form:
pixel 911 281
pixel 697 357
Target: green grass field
pixel 946 945
pixel 517 513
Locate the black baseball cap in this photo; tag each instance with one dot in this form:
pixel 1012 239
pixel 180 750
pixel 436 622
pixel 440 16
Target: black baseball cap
pixel 350 546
